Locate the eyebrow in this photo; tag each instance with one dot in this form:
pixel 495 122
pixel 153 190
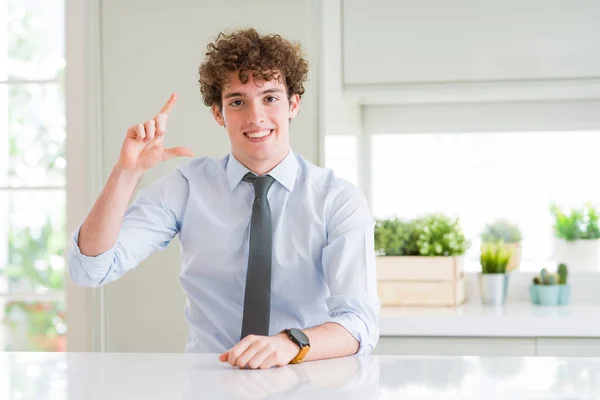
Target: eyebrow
pixel 240 94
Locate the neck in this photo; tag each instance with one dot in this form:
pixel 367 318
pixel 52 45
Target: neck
pixel 261 167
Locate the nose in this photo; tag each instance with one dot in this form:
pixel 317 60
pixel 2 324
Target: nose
pixel 256 113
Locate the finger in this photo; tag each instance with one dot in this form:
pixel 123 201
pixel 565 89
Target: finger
pixel 137 132
pixel 132 132
pixel 239 348
pixel 150 128
pixel 161 124
pixel 169 105
pixel 269 362
pixel 250 353
pixel 223 357
pixel 260 357
pixel 177 152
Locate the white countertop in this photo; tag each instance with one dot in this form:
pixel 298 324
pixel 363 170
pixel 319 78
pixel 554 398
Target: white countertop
pixel 474 319
pixel 117 376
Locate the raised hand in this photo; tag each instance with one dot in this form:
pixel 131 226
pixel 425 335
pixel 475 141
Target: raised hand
pixel 143 146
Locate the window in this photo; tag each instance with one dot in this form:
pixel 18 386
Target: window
pixel 482 176
pixel 341 156
pixel 32 176
pixel 477 162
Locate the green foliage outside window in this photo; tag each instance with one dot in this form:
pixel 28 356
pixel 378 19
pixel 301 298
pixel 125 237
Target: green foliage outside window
pixel 35 261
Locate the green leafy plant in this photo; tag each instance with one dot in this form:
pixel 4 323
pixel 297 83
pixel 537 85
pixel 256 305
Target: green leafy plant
pixel 494 258
pixel 396 237
pixel 578 224
pixel 440 235
pixel 501 230
pixel 430 235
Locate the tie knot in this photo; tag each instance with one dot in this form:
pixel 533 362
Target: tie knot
pixel 262 184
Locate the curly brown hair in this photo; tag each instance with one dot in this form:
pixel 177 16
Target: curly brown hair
pixel 264 57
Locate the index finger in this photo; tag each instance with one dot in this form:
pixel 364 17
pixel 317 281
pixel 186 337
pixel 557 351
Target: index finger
pixel 168 105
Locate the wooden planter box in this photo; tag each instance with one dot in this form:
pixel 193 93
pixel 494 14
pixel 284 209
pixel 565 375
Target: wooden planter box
pixel 421 281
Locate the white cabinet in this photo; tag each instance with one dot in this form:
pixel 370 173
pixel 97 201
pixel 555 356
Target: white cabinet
pixel 568 347
pixel 465 41
pixel 488 346
pixel 455 346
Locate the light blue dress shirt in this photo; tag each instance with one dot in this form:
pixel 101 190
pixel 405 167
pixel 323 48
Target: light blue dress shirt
pixel 323 266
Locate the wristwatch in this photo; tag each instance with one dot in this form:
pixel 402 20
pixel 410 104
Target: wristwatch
pixel 300 338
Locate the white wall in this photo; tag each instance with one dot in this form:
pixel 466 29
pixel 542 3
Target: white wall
pixel 151 48
pixel 433 51
pixel 432 41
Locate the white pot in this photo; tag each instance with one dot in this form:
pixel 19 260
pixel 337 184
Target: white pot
pixel 580 255
pixel 493 288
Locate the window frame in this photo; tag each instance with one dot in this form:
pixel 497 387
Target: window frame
pixel 32 296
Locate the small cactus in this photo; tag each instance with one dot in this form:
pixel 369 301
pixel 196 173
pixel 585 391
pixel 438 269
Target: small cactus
pixel 544 276
pixel 562 274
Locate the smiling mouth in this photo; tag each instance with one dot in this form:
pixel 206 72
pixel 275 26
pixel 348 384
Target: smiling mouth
pixel 259 136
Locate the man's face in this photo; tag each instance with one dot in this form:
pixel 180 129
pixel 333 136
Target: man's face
pixel 256 116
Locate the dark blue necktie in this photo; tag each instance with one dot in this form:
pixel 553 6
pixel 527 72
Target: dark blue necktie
pixel 257 296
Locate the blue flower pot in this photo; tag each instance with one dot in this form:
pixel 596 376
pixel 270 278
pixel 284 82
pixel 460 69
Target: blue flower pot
pixel 564 295
pixel 533 294
pixel 548 295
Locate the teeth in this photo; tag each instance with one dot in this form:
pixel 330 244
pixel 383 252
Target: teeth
pixel 259 134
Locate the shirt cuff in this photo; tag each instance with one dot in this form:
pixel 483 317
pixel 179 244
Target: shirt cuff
pixel 367 338
pixel 82 267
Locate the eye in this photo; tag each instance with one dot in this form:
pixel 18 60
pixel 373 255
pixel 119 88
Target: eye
pixel 271 99
pixel 236 103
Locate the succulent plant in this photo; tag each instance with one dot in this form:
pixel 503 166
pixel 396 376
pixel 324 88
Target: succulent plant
pixel 562 274
pixel 501 230
pixel 546 278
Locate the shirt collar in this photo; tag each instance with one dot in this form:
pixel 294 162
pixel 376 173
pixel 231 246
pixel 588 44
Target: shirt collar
pixel 285 172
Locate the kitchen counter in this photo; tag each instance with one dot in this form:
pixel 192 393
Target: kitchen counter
pixel 116 376
pixel 476 320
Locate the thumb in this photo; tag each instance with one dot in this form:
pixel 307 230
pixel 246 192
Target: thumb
pixel 223 357
pixel 177 152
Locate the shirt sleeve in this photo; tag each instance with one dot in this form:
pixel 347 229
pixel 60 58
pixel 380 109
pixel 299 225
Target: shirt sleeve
pixel 149 225
pixel 349 266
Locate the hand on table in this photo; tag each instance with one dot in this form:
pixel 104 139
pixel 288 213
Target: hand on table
pixel 261 352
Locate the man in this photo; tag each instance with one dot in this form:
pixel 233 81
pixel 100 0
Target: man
pixel 277 254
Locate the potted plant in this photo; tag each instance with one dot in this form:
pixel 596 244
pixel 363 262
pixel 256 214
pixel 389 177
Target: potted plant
pixel 493 279
pixel 565 289
pixel 550 289
pixel 420 260
pixel 396 237
pixel 505 232
pixel 577 237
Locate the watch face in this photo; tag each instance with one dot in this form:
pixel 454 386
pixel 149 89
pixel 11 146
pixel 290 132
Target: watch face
pixel 299 336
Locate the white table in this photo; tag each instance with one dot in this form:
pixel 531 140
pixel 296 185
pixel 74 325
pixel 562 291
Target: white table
pixel 117 376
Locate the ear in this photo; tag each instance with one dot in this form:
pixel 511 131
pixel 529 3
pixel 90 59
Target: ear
pixel 218 115
pixel 294 106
